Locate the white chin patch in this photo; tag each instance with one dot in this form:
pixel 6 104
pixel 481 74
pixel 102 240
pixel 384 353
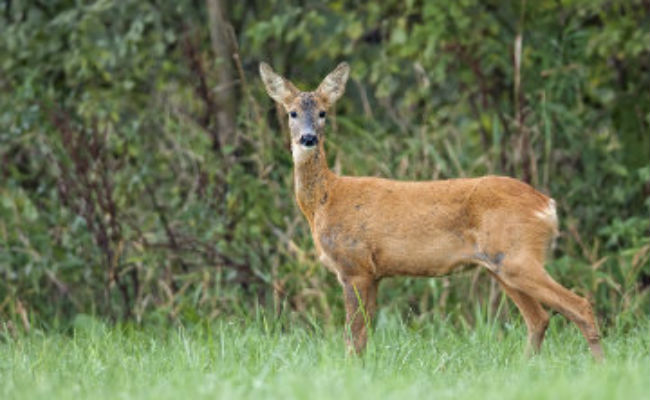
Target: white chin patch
pixel 300 152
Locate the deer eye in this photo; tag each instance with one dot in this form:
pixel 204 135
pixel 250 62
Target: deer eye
pixel 293 114
pixel 321 114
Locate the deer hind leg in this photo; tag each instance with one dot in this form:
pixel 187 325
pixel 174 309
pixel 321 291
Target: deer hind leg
pixel 535 282
pixel 535 317
pixel 360 295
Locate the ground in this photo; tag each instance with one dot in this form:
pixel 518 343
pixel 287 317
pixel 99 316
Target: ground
pixel 262 359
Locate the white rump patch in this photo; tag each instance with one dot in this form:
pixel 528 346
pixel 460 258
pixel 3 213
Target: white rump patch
pixel 549 213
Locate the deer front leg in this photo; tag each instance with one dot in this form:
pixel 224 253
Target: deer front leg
pixel 360 295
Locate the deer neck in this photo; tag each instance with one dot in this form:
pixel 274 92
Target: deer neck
pixel 312 179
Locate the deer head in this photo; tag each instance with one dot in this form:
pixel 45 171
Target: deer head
pixel 306 110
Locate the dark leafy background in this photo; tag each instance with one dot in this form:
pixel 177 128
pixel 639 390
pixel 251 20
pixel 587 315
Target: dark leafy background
pixel 145 175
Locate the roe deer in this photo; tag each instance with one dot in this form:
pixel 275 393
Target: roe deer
pixel 366 228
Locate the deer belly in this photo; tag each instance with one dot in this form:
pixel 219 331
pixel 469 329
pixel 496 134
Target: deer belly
pixel 421 256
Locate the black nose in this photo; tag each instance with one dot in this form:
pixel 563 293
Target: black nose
pixel 308 140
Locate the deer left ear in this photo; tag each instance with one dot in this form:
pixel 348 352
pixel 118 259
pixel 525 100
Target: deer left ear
pixel 333 85
pixel 280 89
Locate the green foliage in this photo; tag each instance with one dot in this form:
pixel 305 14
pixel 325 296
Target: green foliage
pixel 121 197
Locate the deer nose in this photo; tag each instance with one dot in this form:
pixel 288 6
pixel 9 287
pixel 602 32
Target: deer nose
pixel 308 140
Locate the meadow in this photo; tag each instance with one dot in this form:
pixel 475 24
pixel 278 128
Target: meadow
pixel 146 180
pixel 266 358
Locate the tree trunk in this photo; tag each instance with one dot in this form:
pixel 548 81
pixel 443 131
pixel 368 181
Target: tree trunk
pixel 221 36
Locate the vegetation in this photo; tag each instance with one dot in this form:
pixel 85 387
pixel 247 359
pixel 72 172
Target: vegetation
pixel 150 245
pixel 257 358
pixel 146 179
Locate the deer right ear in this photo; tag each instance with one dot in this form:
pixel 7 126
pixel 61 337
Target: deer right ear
pixel 280 89
pixel 333 85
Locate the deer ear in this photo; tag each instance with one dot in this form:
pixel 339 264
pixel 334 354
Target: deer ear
pixel 280 89
pixel 333 85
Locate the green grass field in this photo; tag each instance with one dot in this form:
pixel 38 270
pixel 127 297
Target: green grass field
pixel 263 359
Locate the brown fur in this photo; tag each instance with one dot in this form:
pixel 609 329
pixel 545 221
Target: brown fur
pixel 366 229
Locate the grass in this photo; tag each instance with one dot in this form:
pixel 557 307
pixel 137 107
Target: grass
pixel 266 359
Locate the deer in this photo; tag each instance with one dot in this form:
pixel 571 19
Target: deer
pixel 366 229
